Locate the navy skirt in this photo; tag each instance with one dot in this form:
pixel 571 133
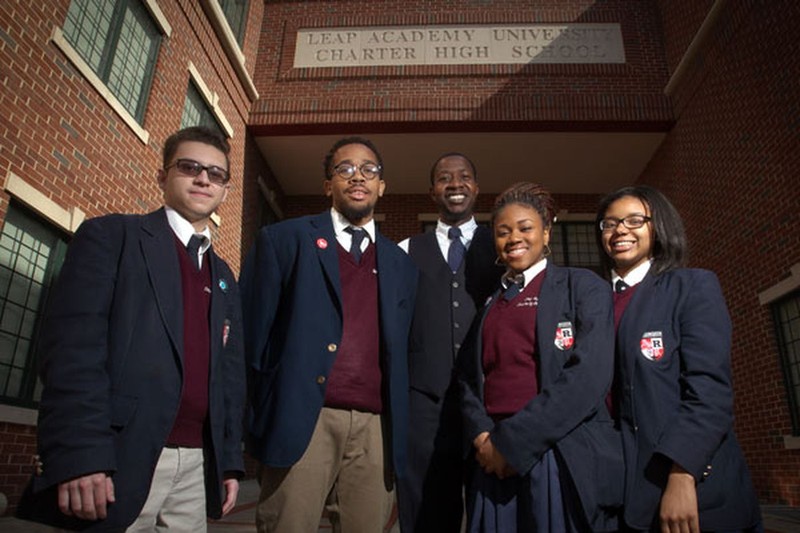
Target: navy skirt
pixel 523 504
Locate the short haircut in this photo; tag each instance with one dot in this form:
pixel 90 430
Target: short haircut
pixel 669 247
pixel 201 134
pixel 531 195
pixel 454 154
pixel 328 162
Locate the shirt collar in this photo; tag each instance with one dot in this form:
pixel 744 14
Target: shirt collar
pixel 635 276
pixel 467 229
pixel 340 223
pixel 530 273
pixel 184 230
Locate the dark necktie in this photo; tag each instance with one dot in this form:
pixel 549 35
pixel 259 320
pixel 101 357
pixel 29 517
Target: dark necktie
pixel 455 254
pixel 355 245
pixel 514 284
pixel 620 286
pixel 193 249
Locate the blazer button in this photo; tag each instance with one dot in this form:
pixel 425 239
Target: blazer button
pixel 332 347
pixel 320 380
pixel 455 284
pixel 456 304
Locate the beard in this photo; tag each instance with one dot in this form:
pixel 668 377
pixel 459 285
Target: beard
pixel 356 214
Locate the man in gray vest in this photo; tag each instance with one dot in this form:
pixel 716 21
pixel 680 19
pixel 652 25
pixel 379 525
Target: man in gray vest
pixel 457 275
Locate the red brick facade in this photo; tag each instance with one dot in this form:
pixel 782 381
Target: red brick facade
pixel 729 162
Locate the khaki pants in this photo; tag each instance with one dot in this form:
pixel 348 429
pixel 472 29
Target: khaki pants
pixel 177 498
pixel 343 469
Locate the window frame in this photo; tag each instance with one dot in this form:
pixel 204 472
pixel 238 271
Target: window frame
pixel 792 388
pixel 135 123
pixel 783 288
pixel 26 397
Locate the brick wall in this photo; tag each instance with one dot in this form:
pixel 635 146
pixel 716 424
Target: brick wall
pixel 62 138
pixel 731 167
pixel 460 97
pixel 17 448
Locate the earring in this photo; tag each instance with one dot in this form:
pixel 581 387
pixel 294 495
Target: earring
pixel 498 261
pixel 546 251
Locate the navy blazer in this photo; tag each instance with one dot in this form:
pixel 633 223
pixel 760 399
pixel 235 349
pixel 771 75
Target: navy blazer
pixel 673 347
pixel 111 354
pixel 293 327
pixel 569 412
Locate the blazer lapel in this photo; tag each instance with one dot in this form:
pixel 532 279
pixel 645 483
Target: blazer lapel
pixel 553 290
pixel 158 250
pixel 218 322
pixel 324 241
pixel 637 313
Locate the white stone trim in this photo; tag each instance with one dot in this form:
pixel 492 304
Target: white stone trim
pixel 791 442
pixel 66 219
pixel 18 415
pixel 211 98
pixel 699 42
pixel 61 42
pixel 158 17
pixel 229 45
pixel 782 288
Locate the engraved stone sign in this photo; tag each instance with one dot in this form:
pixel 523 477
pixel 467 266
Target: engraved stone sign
pixel 459 45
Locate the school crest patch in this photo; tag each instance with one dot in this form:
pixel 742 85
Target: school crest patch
pixel 652 345
pixel 564 339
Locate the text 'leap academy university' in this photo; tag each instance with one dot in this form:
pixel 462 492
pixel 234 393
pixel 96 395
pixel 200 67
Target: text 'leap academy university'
pixel 467 45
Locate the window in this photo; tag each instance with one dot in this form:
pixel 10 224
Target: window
pixel 786 313
pixel 236 15
pixel 196 112
pixel 573 244
pixel 31 253
pixel 119 41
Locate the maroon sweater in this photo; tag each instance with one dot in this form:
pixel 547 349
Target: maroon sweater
pixel 509 352
pixel 621 301
pixel 188 427
pixel 355 379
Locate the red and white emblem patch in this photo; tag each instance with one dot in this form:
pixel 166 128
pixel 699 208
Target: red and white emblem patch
pixel 564 339
pixel 652 345
pixel 322 243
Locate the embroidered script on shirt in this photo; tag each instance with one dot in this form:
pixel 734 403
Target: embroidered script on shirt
pixel 528 301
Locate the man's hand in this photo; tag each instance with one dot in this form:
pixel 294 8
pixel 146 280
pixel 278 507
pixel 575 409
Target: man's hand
pixel 86 497
pixel 231 493
pixel 678 511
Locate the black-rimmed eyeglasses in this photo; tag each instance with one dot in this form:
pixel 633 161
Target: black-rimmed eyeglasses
pixel 346 171
pixel 190 167
pixel 630 222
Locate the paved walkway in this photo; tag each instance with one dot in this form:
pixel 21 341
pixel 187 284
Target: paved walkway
pixel 777 519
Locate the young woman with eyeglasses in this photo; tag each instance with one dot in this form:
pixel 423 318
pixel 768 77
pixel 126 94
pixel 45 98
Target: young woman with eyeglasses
pixel 684 468
pixel 533 374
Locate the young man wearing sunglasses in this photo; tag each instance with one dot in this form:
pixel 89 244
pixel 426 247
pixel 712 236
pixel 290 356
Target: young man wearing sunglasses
pixel 327 303
pixel 142 363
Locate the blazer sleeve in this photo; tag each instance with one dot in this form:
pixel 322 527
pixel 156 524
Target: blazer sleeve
pixel 235 387
pixel 576 390
pixel 74 428
pixel 261 292
pixel 705 414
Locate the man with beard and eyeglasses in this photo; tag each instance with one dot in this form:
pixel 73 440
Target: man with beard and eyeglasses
pixel 327 304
